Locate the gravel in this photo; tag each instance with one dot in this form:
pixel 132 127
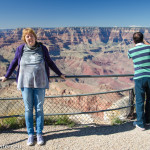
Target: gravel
pixel 91 137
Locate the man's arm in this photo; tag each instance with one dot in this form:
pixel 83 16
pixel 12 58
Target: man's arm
pixel 145 42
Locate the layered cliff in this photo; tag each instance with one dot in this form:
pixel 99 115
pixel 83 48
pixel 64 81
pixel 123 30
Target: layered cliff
pixel 80 50
pixel 59 38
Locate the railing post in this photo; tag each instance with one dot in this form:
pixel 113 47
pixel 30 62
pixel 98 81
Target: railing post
pixel 131 99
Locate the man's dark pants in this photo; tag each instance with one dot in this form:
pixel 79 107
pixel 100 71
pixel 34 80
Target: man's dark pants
pixel 142 91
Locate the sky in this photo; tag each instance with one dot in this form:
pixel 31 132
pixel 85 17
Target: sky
pixel 74 13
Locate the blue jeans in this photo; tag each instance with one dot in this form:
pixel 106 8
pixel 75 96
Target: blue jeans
pixel 34 97
pixel 142 91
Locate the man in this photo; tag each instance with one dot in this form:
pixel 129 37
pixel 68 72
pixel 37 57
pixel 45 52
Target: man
pixel 140 55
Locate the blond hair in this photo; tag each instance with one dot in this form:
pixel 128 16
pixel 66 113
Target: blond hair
pixel 27 31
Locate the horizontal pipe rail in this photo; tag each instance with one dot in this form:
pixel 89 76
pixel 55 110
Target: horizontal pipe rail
pixel 87 76
pixel 58 96
pixel 75 113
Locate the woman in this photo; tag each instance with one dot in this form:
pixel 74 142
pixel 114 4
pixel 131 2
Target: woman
pixel 32 78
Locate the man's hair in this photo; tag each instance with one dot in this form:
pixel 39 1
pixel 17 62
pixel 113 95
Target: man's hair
pixel 27 31
pixel 138 37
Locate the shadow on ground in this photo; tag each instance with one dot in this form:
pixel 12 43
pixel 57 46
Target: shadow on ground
pixel 78 131
pixel 88 131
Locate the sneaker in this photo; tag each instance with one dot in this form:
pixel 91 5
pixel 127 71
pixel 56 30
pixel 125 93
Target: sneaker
pixel 135 124
pixel 40 140
pixel 30 140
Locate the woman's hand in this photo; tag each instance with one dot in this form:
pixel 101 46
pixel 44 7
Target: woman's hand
pixel 63 76
pixel 3 79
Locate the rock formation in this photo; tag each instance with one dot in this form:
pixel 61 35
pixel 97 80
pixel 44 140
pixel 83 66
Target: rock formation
pixel 80 51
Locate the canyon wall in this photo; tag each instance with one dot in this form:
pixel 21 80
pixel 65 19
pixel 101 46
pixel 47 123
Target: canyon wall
pixel 79 51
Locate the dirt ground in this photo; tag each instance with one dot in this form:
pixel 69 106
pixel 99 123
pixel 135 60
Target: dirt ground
pixel 90 137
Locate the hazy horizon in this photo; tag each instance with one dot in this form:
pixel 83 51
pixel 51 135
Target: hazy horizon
pixel 67 27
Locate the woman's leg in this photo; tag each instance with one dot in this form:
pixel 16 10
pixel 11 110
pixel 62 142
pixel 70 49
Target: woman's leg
pixel 27 94
pixel 39 94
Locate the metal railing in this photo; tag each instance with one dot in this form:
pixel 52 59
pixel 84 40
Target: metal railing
pixel 101 107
